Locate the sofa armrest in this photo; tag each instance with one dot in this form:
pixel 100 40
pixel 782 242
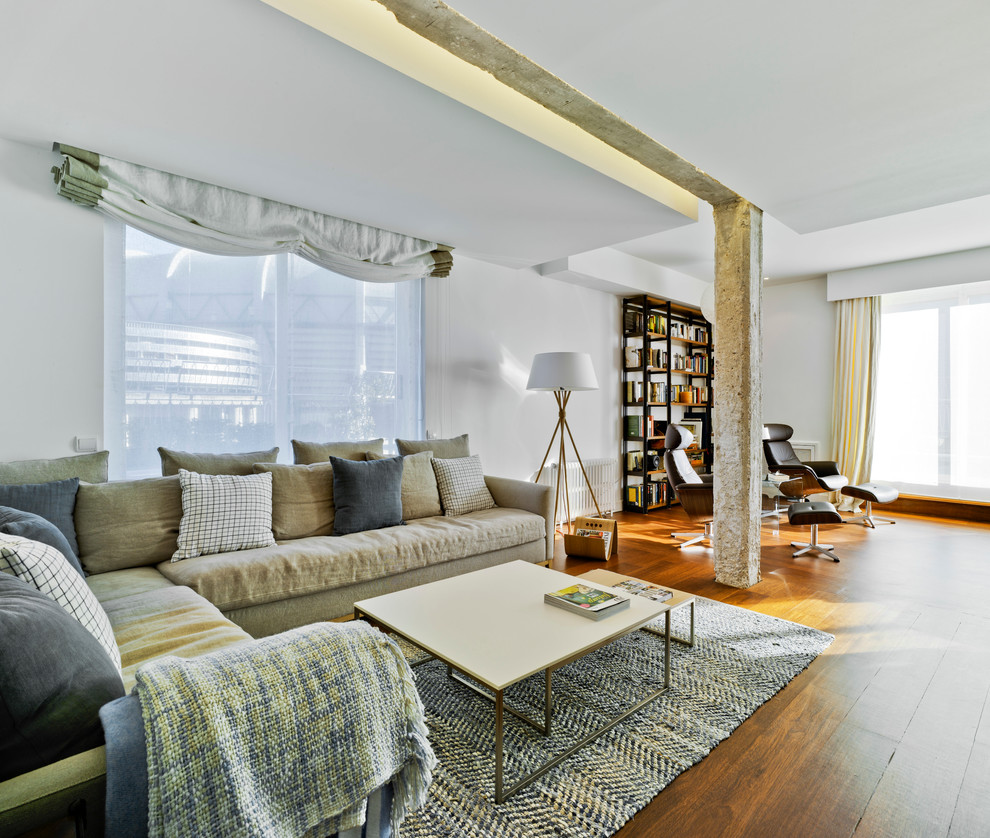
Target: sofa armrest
pixel 521 494
pixel 46 794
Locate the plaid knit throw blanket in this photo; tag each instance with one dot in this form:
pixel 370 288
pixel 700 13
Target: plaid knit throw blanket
pixel 283 736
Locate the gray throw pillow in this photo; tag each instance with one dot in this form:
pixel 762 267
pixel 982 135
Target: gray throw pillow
pixel 307 453
pixel 90 468
pixel 29 525
pixel 445 449
pixel 367 495
pixel 54 677
pixel 55 502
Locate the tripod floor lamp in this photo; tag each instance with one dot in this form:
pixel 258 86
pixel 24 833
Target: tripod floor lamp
pixel 562 373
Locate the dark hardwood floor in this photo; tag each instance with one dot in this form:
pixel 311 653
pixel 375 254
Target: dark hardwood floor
pixel 888 732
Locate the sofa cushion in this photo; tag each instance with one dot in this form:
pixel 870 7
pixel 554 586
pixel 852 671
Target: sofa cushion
pixel 29 525
pixel 310 565
pixel 306 453
pixel 127 582
pixel 462 485
pixel 302 499
pixel 47 570
pixel 367 495
pixel 169 621
pixel 90 468
pixel 53 501
pixel 223 513
pixel 54 677
pixel 128 524
pixel 240 463
pixel 420 496
pixel 446 449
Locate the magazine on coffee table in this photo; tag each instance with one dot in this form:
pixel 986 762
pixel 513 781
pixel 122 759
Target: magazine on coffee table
pixel 644 589
pixel 589 602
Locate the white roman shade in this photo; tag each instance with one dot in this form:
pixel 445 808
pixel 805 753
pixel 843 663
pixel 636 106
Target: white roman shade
pixel 212 219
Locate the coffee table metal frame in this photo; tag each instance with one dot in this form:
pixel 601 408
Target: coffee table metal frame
pixel 497 696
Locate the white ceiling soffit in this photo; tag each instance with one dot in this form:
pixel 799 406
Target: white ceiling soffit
pixel 789 256
pixel 822 114
pixel 238 94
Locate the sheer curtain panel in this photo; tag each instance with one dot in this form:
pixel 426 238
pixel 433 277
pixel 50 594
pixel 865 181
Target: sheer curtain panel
pixel 857 352
pixel 222 221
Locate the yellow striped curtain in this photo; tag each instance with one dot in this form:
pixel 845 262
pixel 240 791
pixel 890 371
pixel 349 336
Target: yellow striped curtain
pixel 854 394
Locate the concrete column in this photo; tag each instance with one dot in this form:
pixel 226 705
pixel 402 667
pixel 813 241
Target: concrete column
pixel 738 423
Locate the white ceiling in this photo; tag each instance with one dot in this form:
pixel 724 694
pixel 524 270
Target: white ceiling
pixel 862 129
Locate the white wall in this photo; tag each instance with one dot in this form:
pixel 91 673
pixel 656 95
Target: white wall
pixel 484 324
pixel 51 311
pixel 490 322
pixel 798 360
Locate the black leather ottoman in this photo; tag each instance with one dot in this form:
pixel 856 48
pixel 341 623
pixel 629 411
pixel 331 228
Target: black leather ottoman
pixel 813 513
pixel 872 493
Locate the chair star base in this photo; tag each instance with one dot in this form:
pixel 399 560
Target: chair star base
pixel 695 537
pixel 812 514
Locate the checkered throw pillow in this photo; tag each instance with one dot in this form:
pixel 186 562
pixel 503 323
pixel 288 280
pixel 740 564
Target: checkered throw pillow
pixel 462 485
pixel 224 512
pixel 49 571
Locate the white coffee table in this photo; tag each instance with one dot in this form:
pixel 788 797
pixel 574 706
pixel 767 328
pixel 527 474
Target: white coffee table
pixel 494 627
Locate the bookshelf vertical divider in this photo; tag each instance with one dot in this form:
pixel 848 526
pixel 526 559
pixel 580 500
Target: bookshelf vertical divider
pixel 667 369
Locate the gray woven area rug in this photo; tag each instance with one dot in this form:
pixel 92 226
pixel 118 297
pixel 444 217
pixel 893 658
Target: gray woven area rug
pixel 740 660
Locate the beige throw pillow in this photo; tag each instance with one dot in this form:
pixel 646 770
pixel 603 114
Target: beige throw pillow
pixel 302 499
pixel 172 461
pixel 444 449
pixel 127 524
pixel 306 453
pixel 90 468
pixel 420 496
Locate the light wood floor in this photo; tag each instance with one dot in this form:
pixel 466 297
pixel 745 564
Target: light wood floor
pixel 885 734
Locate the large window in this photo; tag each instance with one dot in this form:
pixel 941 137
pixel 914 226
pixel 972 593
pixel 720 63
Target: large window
pixel 224 353
pixel 933 400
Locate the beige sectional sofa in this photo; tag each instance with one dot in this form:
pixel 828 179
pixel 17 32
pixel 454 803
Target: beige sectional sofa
pixel 127 533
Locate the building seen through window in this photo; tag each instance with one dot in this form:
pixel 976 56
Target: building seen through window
pixel 224 353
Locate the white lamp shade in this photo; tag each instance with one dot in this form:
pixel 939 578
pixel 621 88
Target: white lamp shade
pixel 562 371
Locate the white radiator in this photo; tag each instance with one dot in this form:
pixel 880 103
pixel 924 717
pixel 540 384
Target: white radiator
pixel 603 475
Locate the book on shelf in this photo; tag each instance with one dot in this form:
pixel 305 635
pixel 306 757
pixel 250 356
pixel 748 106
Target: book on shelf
pixel 657 324
pixel 633 357
pixel 632 321
pixel 593 603
pixel 650 493
pixel 644 589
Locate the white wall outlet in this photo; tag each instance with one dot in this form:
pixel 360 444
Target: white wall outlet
pixel 85 444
